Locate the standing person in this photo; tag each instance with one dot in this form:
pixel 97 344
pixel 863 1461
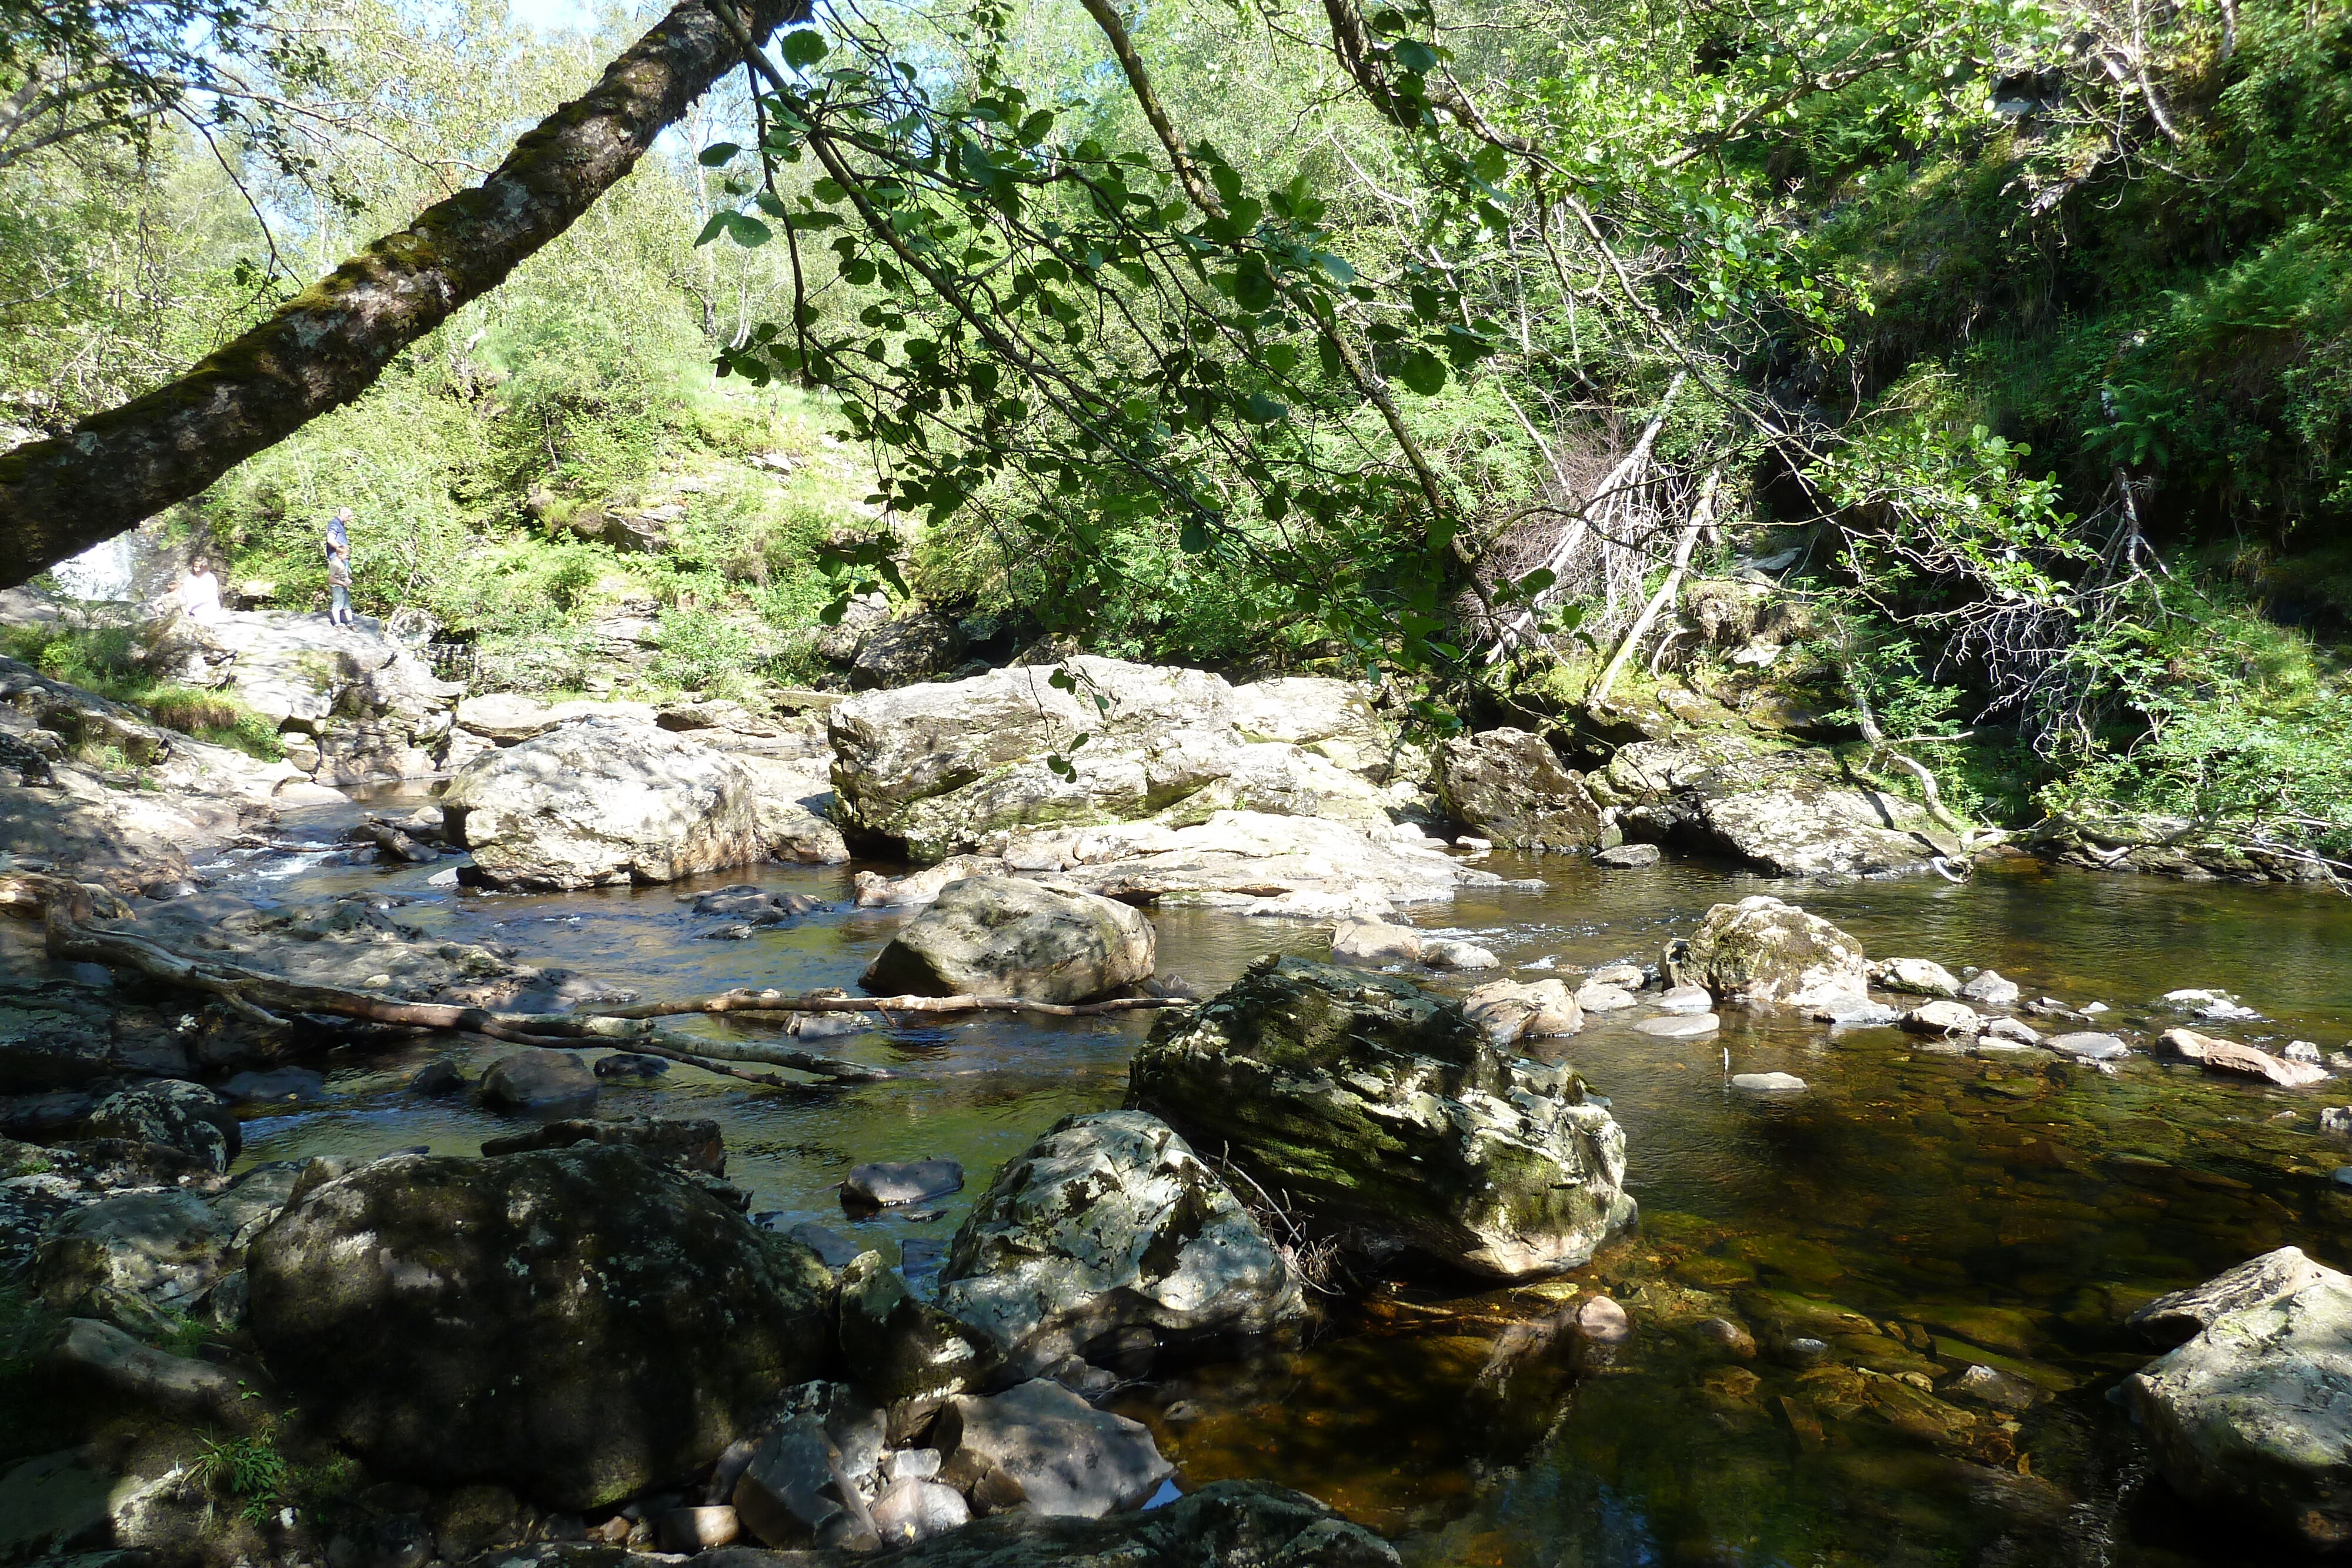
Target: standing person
pixel 200 598
pixel 339 566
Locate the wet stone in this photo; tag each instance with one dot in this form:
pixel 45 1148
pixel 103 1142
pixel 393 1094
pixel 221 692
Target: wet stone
pixel 1680 1028
pixel 1856 1012
pixel 691 1530
pixel 886 1184
pixel 438 1077
pixel 2015 1031
pixel 1628 857
pixel 1986 1386
pixel 1942 1019
pixel 1987 988
pixel 533 1078
pixel 277 1086
pixel 1768 1083
pixel 1061 1454
pixel 630 1064
pixel 1686 1000
pixel 1731 1338
pixel 2088 1046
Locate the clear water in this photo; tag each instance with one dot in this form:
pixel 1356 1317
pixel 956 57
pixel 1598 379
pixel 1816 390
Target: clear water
pixel 1971 1210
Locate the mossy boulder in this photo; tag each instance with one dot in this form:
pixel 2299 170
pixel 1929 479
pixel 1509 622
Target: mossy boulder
pixel 1389 1118
pixel 576 1324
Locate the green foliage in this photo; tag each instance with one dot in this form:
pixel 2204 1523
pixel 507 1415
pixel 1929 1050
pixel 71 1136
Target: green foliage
pixel 113 662
pixel 250 1470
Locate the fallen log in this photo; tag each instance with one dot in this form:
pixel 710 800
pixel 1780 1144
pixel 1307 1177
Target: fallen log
pixel 69 909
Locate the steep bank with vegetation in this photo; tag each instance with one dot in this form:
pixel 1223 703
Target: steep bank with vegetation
pixel 2024 327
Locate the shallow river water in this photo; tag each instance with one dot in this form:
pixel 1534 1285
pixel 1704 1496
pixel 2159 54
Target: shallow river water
pixel 1955 1210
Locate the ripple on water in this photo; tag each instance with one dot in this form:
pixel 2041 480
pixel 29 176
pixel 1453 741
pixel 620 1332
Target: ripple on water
pixel 1914 1211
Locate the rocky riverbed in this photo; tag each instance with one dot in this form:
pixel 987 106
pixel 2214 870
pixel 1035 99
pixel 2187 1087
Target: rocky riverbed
pixel 1738 1217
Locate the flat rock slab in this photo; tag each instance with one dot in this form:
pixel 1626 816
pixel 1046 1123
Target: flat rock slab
pixel 2085 1046
pixel 886 1183
pixel 1066 1457
pixel 2229 1058
pixel 1680 1027
pixel 1768 1082
pixel 1856 1012
pixel 1628 857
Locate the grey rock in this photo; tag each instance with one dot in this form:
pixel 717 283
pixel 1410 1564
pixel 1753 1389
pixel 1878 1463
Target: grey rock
pixel 1768 951
pixel 1110 1222
pixel 623 1064
pixel 2336 1120
pixel 1686 1000
pixel 438 1077
pixel 1680 1026
pixel 2301 1050
pixel 2015 1031
pixel 1988 1385
pixel 883 1184
pixel 911 1510
pixel 2085 1046
pixel 1919 976
pixel 1732 1338
pixel 174 1112
pixel 2253 1415
pixel 1386 1112
pixel 803 1483
pixel 1463 956
pixel 2176 1316
pixel 1063 1455
pixel 1943 1021
pixel 690 1143
pixel 176 1387
pixel 1512 787
pixel 1593 996
pixel 1987 988
pixel 601 801
pixel 2230 1059
pixel 898 1348
pixel 536 1078
pixel 1629 857
pixel 134 1257
pixel 1627 975
pixel 1510 1011
pixel 630 1323
pixel 1008 936
pixel 1768 1083
pixel 910 648
pixel 1856 1012
pixel 1375 942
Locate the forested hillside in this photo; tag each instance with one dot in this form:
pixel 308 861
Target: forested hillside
pixel 1267 337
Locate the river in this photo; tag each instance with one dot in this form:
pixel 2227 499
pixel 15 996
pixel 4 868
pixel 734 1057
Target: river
pixel 1973 1210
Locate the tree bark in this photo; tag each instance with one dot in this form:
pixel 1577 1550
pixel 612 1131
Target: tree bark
pixel 330 343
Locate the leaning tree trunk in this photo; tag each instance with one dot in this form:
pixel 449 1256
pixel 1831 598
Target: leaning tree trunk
pixel 326 345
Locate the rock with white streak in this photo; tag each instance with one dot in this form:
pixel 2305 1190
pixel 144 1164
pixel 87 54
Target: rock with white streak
pixel 2230 1059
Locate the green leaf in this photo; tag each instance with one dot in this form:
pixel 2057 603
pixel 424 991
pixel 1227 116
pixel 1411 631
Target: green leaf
pixel 718 155
pixel 1415 56
pixel 802 48
pixel 1422 373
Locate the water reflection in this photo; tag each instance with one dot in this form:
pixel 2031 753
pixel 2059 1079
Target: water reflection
pixel 1922 1210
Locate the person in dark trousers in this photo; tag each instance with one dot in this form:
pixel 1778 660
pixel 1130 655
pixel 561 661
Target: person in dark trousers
pixel 339 566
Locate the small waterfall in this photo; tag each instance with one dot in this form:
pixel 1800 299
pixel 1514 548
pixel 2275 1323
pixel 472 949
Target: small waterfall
pixel 107 570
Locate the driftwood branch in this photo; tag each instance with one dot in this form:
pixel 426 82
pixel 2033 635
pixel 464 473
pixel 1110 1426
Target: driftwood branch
pixel 70 910
pixel 1700 516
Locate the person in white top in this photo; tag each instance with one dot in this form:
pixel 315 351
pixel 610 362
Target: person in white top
pixel 200 598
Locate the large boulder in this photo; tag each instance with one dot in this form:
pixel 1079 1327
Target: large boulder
pixel 2253 1415
pixel 133 1257
pixel 1761 949
pixel 576 1324
pixel 1787 813
pixel 951 768
pixel 601 801
pixel 1243 863
pixel 911 648
pixel 1007 936
pixel 1108 1222
pixel 1512 787
pixel 1390 1117
pixel 1047 1451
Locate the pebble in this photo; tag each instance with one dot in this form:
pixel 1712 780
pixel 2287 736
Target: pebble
pixel 1673 1027
pixel 1805 1351
pixel 1733 1339
pixel 1768 1083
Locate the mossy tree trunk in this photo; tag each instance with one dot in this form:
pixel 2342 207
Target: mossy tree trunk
pixel 326 346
